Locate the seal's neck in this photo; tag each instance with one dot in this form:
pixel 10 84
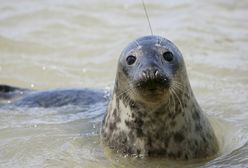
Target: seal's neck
pixel 133 127
pixel 179 104
pixel 134 119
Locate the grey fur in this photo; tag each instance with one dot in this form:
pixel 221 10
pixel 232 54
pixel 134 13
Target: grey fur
pixel 163 118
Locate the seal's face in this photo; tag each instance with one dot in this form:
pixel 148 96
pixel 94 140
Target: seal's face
pixel 149 65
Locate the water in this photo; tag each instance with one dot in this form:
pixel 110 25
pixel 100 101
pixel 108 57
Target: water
pixel 70 44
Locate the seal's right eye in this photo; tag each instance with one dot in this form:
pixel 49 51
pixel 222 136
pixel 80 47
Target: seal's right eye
pixel 131 59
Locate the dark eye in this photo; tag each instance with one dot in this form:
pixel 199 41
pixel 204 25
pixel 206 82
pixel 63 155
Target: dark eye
pixel 130 59
pixel 168 56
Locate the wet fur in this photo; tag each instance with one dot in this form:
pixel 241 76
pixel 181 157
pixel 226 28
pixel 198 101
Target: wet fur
pixel 18 97
pixel 175 127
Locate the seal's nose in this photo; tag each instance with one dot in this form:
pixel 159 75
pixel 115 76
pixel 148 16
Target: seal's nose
pixel 152 78
pixel 151 73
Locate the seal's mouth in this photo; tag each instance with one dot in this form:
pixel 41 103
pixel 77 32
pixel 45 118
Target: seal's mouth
pixel 153 84
pixel 152 89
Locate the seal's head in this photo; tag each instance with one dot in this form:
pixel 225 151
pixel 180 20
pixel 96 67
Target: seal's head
pixel 148 67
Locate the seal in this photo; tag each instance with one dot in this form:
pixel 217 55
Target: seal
pixel 18 97
pixel 153 110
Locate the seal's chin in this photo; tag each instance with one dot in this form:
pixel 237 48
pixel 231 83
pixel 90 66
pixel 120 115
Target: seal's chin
pixel 152 89
pixel 154 94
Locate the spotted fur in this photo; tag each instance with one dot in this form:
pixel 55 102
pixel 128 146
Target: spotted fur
pixel 174 126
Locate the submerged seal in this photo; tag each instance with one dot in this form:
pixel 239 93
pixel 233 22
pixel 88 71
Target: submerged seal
pixel 153 110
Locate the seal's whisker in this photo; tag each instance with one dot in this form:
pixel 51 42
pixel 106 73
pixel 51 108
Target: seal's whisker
pixel 137 43
pixel 169 102
pixel 174 102
pixel 172 96
pixel 178 83
pixel 177 87
pixel 128 89
pixel 147 16
pixel 123 92
pixel 162 39
pixel 130 83
pixel 133 92
pixel 172 89
pixel 158 41
pixel 125 98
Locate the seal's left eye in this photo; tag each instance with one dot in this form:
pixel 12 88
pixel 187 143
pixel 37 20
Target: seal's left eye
pixel 168 56
pixel 131 59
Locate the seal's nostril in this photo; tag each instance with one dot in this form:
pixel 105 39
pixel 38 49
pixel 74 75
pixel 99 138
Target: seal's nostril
pixel 150 74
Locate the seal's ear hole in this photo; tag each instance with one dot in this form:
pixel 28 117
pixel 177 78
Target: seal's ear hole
pixel 131 59
pixel 168 56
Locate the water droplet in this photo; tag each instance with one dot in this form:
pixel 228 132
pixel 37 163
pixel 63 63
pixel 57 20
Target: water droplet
pixel 8 101
pixel 32 85
pixel 43 68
